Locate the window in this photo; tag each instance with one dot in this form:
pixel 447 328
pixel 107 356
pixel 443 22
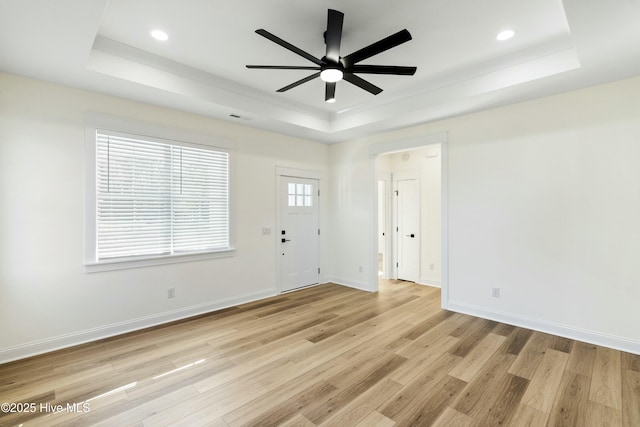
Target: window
pixel 157 199
pixel 299 194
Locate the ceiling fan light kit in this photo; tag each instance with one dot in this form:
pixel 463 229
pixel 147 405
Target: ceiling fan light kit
pixel 331 75
pixel 332 67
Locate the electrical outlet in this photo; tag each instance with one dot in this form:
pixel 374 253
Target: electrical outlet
pixel 360 269
pixel 432 266
pixel 171 293
pixel 495 292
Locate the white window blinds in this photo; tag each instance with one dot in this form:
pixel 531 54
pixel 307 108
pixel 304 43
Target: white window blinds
pixel 155 198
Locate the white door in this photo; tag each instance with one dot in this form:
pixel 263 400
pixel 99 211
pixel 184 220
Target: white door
pixel 298 234
pixel 408 199
pixel 381 228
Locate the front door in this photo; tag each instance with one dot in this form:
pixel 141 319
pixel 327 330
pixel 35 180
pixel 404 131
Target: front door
pixel 298 233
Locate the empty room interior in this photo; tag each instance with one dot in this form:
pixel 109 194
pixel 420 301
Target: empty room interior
pixel 362 213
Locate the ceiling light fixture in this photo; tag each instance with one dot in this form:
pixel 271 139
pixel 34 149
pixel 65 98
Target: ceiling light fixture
pixel 331 75
pixel 332 67
pixel 159 35
pixel 505 35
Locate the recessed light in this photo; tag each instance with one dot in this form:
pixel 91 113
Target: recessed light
pixel 159 35
pixel 331 100
pixel 505 35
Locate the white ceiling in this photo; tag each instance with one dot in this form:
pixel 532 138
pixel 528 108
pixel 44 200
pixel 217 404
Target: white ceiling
pixel 105 46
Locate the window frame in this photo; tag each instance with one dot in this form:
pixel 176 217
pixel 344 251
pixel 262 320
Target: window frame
pixel 117 125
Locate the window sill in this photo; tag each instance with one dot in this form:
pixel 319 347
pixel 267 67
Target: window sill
pixel 121 264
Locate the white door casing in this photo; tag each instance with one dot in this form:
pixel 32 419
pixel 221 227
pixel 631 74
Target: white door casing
pixel 298 232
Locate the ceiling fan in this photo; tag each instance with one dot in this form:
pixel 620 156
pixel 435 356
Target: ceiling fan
pixel 332 67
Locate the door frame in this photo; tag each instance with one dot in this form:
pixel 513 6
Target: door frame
pixel 295 173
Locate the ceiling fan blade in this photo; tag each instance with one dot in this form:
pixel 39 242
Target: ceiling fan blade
pixel 281 67
pixel 384 69
pixel 299 82
pixel 330 91
pixel 377 47
pixel 287 45
pixel 333 36
pixel 362 83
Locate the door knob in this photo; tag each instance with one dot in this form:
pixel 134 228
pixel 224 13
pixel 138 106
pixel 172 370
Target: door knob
pixel 410 235
pixel 285 240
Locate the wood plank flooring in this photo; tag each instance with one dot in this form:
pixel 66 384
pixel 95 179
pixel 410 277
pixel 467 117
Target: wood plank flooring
pixel 329 356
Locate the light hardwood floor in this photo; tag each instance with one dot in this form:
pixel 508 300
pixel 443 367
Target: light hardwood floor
pixel 330 356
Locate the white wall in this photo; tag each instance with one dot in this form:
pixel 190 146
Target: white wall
pixel 352 227
pixel 543 202
pixel 46 299
pixel 425 164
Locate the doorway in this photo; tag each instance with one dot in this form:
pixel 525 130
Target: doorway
pixel 384 236
pixel 417 215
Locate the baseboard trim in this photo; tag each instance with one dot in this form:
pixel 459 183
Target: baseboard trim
pixel 301 288
pixel 605 340
pixel 432 283
pixel 362 286
pixel 47 345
